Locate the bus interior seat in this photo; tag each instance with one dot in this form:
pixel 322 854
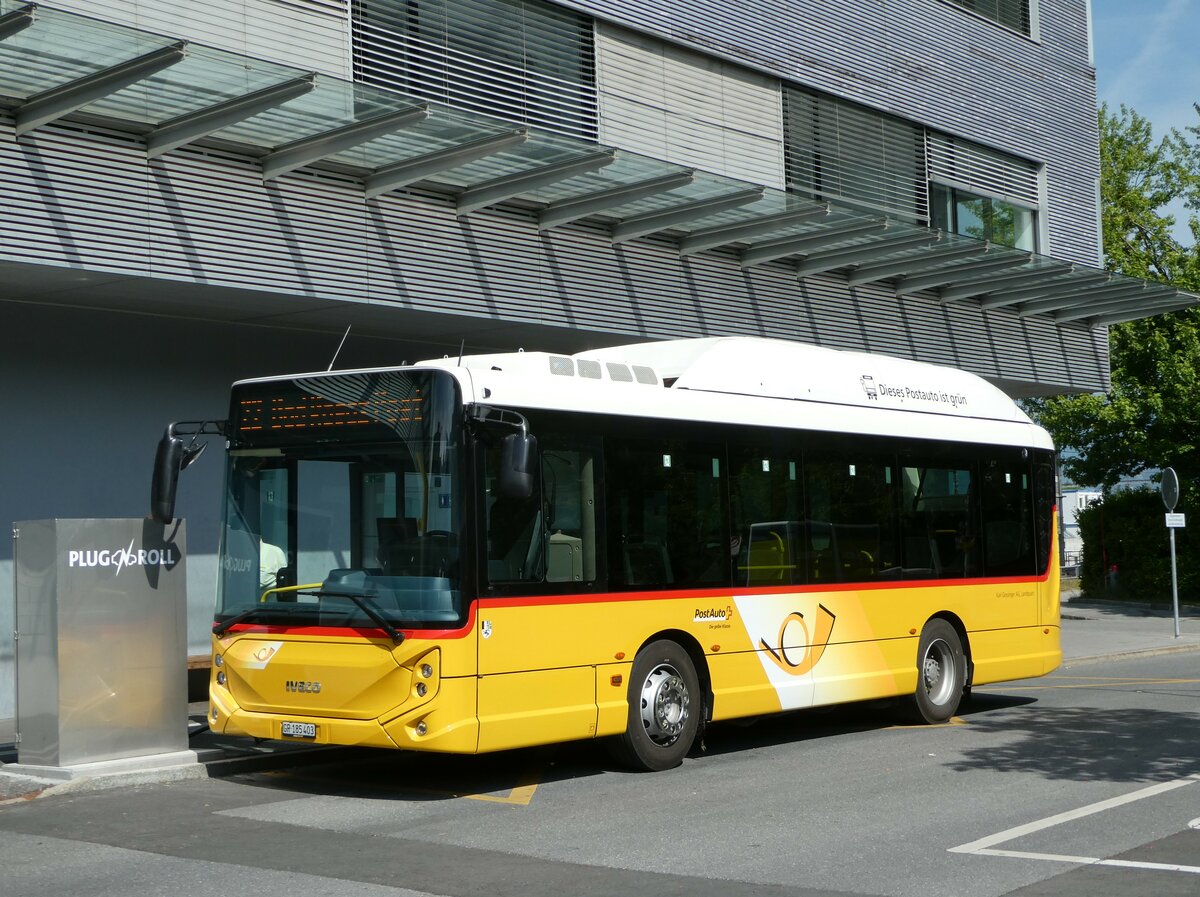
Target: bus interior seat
pixel 646 563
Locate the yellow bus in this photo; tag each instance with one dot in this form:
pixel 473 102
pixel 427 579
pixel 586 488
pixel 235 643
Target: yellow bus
pixel 497 551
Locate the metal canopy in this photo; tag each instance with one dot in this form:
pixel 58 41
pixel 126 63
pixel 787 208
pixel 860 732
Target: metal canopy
pixel 17 20
pixel 307 150
pixel 969 271
pixel 991 284
pixel 636 226
pixel 489 193
pixel 1069 299
pixel 1079 281
pixel 832 259
pixel 57 66
pixel 1185 300
pixel 725 234
pixel 401 174
pixel 770 250
pixel 564 211
pixel 914 262
pixel 183 129
pixel 1130 298
pixel 63 99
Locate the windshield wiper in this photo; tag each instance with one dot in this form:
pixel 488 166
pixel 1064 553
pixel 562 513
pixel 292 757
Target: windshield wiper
pixel 363 602
pixel 221 628
pixel 367 606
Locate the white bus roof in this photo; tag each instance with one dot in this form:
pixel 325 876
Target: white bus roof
pixel 757 382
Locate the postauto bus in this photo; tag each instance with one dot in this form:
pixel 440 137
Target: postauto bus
pixel 488 552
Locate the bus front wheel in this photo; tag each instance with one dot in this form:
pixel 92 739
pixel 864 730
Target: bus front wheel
pixel 664 708
pixel 941 672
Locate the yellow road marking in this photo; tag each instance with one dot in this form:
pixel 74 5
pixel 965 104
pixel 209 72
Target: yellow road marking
pixel 953 721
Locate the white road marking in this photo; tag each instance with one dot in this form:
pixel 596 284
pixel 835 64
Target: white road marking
pixel 986 846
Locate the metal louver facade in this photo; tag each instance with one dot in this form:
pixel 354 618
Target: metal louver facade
pixel 520 60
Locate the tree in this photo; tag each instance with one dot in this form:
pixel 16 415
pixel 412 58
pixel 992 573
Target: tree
pixel 1150 418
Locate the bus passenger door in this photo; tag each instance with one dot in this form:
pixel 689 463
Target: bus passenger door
pixel 537 681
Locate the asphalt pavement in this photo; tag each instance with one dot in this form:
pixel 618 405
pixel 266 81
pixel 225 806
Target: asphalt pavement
pixel 1091 631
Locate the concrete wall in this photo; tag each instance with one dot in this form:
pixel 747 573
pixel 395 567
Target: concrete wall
pixel 88 395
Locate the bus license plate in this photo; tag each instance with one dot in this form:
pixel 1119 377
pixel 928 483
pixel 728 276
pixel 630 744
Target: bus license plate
pixel 300 730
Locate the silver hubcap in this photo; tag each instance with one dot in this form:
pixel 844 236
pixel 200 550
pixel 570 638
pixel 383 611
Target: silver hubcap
pixel 665 703
pixel 938 672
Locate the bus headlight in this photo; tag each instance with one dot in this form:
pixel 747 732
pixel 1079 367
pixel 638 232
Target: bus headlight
pixel 426 671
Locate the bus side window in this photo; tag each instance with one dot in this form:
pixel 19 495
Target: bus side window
pixel 515 529
pixel 1006 499
pixel 939 521
pixel 568 477
pixel 767 541
pixel 667 516
pixel 851 517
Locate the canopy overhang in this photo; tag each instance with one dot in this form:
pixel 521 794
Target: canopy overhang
pixel 171 93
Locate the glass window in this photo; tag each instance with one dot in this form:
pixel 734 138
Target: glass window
pixel 668 525
pixel 938 520
pixel 1013 14
pixel 569 478
pixel 343 501
pixel 982 217
pixel 835 149
pixel 550 536
pixel 851 522
pixel 516 539
pixel 767 513
pixel 1006 500
pixel 520 60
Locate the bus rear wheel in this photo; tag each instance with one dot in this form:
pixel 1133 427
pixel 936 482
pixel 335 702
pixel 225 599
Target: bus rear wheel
pixel 664 709
pixel 941 672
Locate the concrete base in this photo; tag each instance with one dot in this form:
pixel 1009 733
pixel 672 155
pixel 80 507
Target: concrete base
pixel 124 766
pixel 18 778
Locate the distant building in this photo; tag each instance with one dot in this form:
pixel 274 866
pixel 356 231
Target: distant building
pixel 1074 500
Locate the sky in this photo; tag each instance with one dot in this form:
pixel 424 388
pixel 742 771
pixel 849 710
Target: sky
pixel 1146 57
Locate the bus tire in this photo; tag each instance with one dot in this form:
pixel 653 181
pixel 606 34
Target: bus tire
pixel 941 672
pixel 665 706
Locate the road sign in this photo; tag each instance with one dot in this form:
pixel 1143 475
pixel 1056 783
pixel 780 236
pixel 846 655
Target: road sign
pixel 1170 489
pixel 1176 521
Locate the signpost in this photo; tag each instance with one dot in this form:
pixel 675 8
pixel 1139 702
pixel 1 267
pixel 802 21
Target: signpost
pixel 1170 495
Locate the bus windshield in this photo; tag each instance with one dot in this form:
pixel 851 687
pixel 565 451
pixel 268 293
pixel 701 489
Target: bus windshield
pixel 343 502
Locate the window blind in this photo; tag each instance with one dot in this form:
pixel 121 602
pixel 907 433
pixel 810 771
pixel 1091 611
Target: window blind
pixel 521 60
pixel 839 150
pixel 968 166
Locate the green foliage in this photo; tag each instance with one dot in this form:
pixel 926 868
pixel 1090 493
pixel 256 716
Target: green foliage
pixel 1127 529
pixel 1150 418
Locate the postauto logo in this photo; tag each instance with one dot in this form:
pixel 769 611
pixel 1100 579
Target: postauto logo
pixel 120 558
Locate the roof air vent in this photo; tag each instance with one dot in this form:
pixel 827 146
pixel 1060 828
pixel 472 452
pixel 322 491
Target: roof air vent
pixel 645 375
pixel 619 373
pixel 589 369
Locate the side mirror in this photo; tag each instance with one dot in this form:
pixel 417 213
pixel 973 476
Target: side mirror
pixel 518 465
pixel 168 461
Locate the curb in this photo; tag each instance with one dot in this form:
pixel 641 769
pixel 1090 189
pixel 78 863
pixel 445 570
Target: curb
pixel 1130 654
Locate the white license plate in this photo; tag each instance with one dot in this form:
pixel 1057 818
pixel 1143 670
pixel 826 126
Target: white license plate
pixel 300 730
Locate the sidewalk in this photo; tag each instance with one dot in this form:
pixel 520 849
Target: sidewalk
pixel 1096 630
pixel 1091 631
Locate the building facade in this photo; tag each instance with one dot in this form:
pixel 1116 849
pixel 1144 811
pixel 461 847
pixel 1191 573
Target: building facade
pixel 197 194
